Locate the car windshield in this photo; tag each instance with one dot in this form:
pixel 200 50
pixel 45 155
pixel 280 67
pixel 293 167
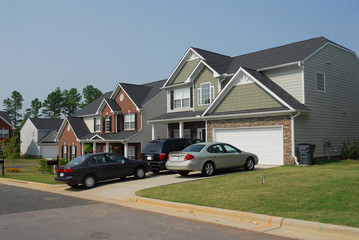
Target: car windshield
pixel 154 146
pixel 77 160
pixel 194 148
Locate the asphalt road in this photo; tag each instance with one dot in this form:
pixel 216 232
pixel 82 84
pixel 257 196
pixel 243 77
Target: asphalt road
pixel 30 214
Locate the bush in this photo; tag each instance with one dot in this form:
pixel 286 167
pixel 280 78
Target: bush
pixel 44 168
pixel 63 162
pixel 12 170
pixel 351 149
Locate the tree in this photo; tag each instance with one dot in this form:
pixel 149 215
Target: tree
pixel 13 106
pixel 90 93
pixel 71 101
pixel 53 104
pixel 11 148
pixel 34 110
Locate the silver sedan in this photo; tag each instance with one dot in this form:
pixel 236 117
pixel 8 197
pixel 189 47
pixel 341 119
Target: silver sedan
pixel 207 157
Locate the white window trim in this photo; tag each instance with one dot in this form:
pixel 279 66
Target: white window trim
pixel 186 133
pixel 107 124
pixel 130 121
pixel 211 94
pixel 181 98
pixel 316 82
pixel 4 133
pixel 98 124
pixel 131 152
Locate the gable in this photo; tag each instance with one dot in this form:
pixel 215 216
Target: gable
pixel 205 76
pixel 246 97
pixel 185 71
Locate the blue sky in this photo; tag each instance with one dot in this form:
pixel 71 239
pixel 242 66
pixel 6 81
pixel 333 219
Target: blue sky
pixel 46 44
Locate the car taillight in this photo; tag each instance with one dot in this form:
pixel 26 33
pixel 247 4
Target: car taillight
pixel 65 170
pixel 188 157
pixel 163 156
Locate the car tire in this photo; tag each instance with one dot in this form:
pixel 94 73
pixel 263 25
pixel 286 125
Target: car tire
pixel 89 181
pixel 140 172
pixel 208 169
pixel 155 171
pixel 72 185
pixel 249 166
pixel 183 173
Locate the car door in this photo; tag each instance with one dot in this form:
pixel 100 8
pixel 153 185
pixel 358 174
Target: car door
pixel 121 167
pixel 216 154
pixel 233 157
pixel 101 167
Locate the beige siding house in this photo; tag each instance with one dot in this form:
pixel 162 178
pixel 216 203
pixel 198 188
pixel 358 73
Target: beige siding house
pixel 267 102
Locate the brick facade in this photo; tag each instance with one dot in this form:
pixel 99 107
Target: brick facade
pixel 69 140
pixel 127 106
pixel 284 121
pixel 4 125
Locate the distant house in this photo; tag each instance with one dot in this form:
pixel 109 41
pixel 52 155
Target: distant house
pixel 267 102
pixel 115 122
pixel 38 137
pixel 6 128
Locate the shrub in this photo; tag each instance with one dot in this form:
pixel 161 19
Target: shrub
pixel 63 162
pixel 351 148
pixel 12 170
pixel 44 168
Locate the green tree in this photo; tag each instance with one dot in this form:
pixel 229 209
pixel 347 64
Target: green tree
pixel 90 93
pixel 34 110
pixel 13 105
pixel 11 148
pixel 53 104
pixel 71 101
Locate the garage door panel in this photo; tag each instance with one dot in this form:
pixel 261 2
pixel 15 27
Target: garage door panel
pixel 266 142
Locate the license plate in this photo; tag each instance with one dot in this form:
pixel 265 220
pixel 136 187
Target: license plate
pixel 62 174
pixel 175 158
pixel 149 158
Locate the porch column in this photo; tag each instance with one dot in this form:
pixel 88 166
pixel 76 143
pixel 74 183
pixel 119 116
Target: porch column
pixel 94 147
pixel 107 147
pixel 125 149
pixel 82 148
pixel 153 131
pixel 180 129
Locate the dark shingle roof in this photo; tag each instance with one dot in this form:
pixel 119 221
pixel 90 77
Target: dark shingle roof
pixel 79 126
pixel 113 105
pixel 177 115
pixel 5 116
pixel 46 124
pixel 217 61
pixel 92 107
pixel 112 136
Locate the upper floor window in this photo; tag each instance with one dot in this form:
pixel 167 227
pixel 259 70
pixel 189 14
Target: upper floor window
pixel 321 82
pixel 181 98
pixel 107 124
pixel 97 124
pixel 205 94
pixel 130 121
pixel 4 133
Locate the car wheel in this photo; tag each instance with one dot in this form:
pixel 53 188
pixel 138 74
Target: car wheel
pixel 249 164
pixel 72 185
pixel 155 171
pixel 208 169
pixel 140 173
pixel 89 181
pixel 183 173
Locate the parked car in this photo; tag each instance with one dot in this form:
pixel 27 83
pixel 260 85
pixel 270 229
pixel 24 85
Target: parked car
pixel 156 151
pixel 207 157
pixel 90 169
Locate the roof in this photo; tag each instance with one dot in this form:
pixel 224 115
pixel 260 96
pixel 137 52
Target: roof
pixel 5 116
pixel 111 136
pixel 91 108
pixel 78 126
pixel 46 124
pixel 285 54
pixel 178 115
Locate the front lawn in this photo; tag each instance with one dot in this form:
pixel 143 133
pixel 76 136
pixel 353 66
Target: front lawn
pixel 28 173
pixel 325 192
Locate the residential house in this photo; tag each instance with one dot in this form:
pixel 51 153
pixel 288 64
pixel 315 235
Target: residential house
pixel 267 102
pixel 38 137
pixel 6 128
pixel 115 122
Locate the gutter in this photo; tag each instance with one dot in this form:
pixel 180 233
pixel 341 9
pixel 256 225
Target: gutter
pixel 293 144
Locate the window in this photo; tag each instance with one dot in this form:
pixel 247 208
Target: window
pixel 205 94
pixel 215 149
pixel 131 152
pixel 229 149
pixel 107 124
pixel 181 98
pixel 130 121
pixel 97 124
pixel 321 82
pixel 115 158
pixel 4 133
pixel 73 150
pixel 186 133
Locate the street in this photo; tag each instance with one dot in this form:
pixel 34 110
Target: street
pixel 30 214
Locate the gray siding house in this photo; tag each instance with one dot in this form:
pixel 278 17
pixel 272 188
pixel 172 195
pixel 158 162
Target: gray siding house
pixel 267 102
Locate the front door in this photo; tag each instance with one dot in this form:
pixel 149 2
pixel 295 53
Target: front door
pixel 201 134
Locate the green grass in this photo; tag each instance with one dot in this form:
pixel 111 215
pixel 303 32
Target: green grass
pixel 325 192
pixel 28 173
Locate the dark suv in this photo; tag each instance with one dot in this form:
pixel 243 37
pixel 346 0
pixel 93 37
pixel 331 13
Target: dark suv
pixel 156 151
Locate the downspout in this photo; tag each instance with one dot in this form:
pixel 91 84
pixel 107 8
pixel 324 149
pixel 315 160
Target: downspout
pixel 293 145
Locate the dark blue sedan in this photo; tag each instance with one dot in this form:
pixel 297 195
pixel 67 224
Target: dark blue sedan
pixel 90 169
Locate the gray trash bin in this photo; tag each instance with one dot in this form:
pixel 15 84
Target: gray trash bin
pixel 306 152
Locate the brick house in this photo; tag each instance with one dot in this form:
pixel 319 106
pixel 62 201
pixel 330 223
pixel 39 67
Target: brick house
pixel 267 102
pixel 6 128
pixel 115 122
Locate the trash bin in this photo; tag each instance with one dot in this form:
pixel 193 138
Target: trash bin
pixel 306 152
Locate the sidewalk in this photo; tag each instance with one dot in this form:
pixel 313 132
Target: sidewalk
pixel 122 192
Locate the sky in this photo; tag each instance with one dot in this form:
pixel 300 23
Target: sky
pixel 45 44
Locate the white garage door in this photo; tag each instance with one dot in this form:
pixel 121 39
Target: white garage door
pixel 49 151
pixel 265 142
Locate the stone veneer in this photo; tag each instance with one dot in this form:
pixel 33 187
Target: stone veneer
pixel 284 121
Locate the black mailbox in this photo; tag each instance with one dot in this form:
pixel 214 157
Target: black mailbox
pixel 52 162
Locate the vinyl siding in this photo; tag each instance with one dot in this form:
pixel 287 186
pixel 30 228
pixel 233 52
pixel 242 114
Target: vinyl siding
pixel 334 113
pixel 29 138
pixel 246 97
pixel 204 76
pixel 185 71
pixel 290 79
